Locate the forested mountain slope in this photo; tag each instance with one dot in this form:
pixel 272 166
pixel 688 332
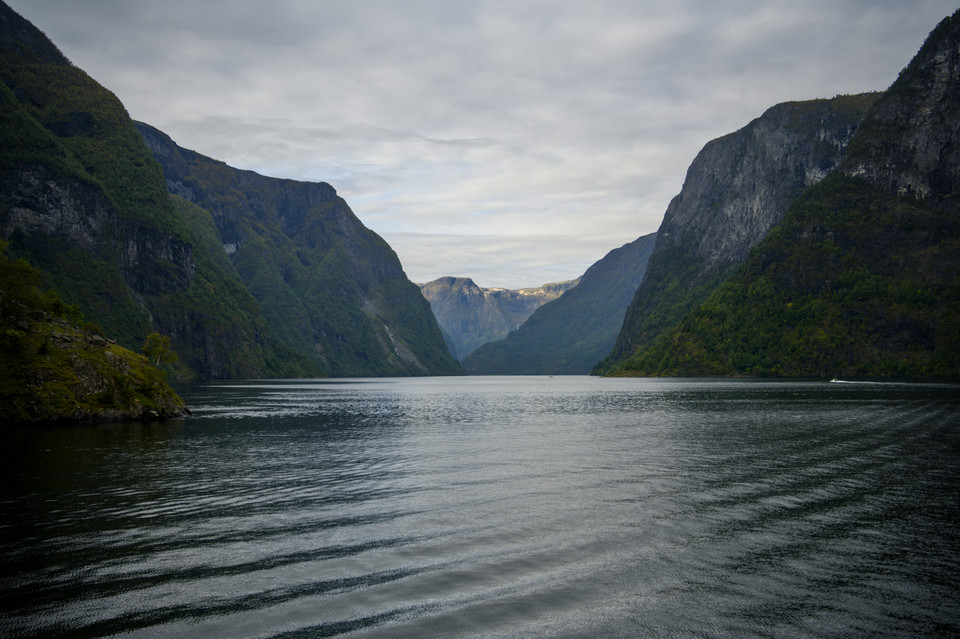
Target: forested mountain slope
pixel 82 198
pixel 568 335
pixel 329 287
pixel 737 188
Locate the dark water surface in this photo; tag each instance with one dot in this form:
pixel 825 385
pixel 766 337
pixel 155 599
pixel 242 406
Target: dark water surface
pixel 494 507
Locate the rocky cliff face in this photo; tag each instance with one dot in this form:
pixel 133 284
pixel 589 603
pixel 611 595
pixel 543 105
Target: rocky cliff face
pixel 737 188
pixel 54 209
pixel 127 276
pixel 471 316
pixel 329 288
pixel 910 143
pixel 570 334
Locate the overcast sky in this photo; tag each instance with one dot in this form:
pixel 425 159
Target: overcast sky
pixel 515 142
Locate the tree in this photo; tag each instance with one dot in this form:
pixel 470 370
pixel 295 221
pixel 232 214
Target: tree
pixel 18 288
pixel 157 349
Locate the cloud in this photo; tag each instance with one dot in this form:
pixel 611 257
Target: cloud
pixel 513 142
pixel 541 255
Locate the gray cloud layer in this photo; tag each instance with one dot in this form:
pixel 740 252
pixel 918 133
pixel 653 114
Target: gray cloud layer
pixel 512 142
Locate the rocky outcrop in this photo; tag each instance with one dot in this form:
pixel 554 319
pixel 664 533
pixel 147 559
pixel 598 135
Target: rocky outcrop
pixel 51 208
pixel 570 334
pixel 97 381
pixel 737 189
pixel 83 378
pixel 471 316
pixel 54 371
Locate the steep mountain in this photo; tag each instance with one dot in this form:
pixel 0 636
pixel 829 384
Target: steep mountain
pixel 737 188
pixel 909 144
pixel 862 277
pixel 570 334
pixel 329 287
pixel 471 316
pixel 307 291
pixel 82 198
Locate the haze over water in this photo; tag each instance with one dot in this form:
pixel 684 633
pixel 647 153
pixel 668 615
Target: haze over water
pixel 494 507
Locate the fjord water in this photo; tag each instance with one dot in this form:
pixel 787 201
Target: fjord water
pixel 494 507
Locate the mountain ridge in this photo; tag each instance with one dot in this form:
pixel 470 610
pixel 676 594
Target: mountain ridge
pixel 471 316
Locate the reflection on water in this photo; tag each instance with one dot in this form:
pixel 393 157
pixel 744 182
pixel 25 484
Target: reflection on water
pixel 507 507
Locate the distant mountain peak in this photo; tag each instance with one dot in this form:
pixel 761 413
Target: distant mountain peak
pixel 470 315
pixel 569 334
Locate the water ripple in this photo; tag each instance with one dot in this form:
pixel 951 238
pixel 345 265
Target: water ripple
pixel 497 507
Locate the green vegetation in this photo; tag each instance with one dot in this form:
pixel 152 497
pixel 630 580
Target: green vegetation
pixel 93 284
pixel 854 282
pixel 66 142
pixel 216 322
pixel 309 290
pixel 52 370
pixel 568 335
pixel 23 140
pixel 156 348
pixel 93 137
pixel 675 283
